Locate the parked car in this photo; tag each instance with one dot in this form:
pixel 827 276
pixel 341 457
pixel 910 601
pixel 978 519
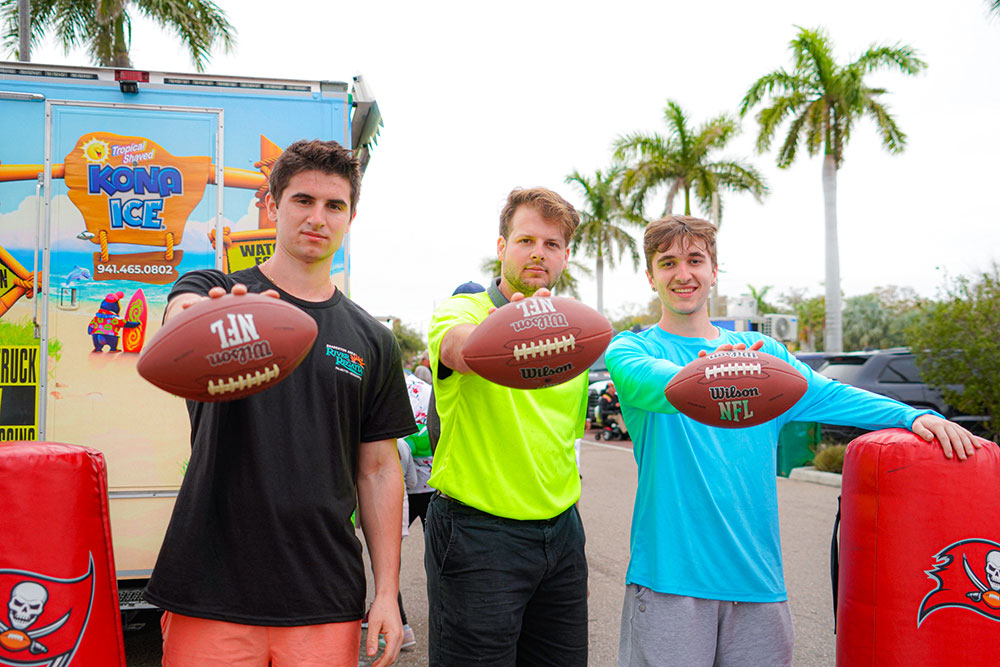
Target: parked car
pixel 892 372
pixel 594 392
pixel 813 359
pixel 598 371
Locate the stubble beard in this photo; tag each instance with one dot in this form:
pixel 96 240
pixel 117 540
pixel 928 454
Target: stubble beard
pixel 513 279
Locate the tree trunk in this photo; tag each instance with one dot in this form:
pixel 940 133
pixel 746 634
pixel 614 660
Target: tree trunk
pixel 24 30
pixel 119 53
pixel 833 330
pixel 687 200
pixel 669 208
pixel 600 283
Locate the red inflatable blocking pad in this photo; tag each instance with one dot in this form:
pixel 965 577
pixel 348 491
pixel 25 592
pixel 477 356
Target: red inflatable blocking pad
pixel 919 555
pixel 57 572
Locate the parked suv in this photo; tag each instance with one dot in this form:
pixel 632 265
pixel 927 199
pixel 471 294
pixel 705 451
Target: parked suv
pixel 893 373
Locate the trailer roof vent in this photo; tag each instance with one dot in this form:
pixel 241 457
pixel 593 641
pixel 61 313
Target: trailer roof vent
pixel 128 80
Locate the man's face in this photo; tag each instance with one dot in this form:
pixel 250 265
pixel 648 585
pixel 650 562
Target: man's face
pixel 682 276
pixel 313 215
pixel 534 254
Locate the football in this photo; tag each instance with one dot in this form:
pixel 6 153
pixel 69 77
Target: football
pixel 537 342
pixel 227 348
pixel 735 389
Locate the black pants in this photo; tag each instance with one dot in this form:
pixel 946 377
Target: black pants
pixel 503 592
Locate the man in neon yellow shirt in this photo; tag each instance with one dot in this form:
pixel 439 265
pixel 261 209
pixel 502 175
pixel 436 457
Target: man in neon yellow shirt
pixel 504 552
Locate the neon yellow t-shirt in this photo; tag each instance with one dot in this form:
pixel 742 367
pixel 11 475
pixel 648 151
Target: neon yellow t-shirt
pixel 509 452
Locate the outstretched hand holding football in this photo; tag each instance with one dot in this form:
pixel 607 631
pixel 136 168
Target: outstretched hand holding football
pixel 735 387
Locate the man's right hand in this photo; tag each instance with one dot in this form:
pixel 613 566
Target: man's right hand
pixel 188 299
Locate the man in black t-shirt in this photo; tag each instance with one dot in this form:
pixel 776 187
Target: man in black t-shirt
pixel 261 553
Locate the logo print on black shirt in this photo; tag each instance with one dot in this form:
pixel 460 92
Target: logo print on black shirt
pixel 346 360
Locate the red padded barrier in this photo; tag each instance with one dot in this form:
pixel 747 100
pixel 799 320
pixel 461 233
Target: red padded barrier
pixel 57 572
pixel 919 555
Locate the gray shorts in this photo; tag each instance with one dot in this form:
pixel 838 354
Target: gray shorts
pixel 662 630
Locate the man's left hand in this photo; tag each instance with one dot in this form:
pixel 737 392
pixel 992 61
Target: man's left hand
pixel 728 347
pixel 951 436
pixel 383 619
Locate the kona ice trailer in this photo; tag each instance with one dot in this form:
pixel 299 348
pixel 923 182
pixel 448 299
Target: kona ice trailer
pixel 112 184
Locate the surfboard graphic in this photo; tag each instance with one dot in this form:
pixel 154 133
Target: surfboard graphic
pixel 133 337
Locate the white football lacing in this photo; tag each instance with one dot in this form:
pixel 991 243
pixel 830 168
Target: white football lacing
pixel 543 348
pixel 725 370
pixel 241 382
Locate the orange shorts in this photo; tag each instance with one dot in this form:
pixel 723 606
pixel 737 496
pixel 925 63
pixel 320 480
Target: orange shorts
pixel 201 642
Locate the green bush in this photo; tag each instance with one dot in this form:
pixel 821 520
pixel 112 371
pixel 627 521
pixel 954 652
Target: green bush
pixel 22 332
pixel 830 459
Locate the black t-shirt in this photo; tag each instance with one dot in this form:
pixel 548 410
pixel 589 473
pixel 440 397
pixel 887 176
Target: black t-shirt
pixel 609 405
pixel 261 532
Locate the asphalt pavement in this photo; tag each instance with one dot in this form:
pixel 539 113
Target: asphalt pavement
pixel 609 477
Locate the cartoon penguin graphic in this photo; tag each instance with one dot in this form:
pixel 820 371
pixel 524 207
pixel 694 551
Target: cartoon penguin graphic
pixel 106 326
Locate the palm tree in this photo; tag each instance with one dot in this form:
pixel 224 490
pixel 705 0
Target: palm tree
pixel 683 160
pixel 823 100
pixel 104 27
pixel 760 298
pixel 599 235
pixel 567 283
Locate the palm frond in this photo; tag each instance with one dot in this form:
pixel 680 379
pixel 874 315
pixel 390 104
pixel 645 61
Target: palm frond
pixel 638 144
pixel 777 82
pixel 817 117
pixel 715 133
pixel 812 53
pixel 769 119
pixel 677 123
pixel 893 138
pixel 736 176
pixel 902 57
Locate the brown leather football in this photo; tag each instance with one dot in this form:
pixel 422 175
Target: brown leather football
pixel 736 389
pixel 537 342
pixel 227 348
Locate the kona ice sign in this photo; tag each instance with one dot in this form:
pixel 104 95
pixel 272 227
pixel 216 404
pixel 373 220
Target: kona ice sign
pixel 131 190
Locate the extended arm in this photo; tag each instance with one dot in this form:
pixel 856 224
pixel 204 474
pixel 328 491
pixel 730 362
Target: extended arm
pixel 455 337
pixel 639 377
pixel 380 500
pixel 451 347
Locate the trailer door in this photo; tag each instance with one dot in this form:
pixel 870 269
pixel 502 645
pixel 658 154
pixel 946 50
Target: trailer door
pixel 132 200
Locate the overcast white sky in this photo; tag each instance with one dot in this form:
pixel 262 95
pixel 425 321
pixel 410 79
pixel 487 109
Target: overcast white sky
pixel 479 98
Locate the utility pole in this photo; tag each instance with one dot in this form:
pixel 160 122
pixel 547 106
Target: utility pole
pixel 24 30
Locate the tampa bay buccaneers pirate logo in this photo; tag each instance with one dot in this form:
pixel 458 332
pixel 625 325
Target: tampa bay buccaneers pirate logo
pixel 973 585
pixel 44 618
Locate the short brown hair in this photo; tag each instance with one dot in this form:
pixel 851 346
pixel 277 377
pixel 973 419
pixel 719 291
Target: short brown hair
pixel 661 234
pixel 547 203
pixel 327 157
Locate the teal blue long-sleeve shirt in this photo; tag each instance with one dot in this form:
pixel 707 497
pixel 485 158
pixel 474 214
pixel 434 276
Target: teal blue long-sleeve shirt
pixel 705 521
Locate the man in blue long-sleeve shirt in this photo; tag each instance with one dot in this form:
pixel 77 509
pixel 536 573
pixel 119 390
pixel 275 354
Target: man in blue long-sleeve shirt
pixel 705 584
